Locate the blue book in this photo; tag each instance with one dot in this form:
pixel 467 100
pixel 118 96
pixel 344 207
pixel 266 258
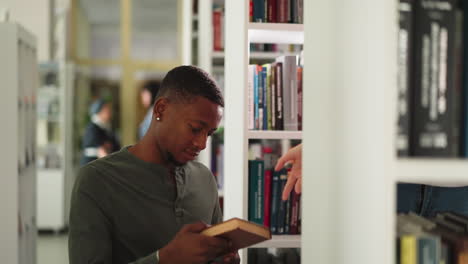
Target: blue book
pixel 259 11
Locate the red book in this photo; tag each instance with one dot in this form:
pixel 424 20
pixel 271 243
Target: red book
pixel 294 223
pixel 282 11
pixel 267 198
pixel 251 10
pixel 217 45
pixel 271 11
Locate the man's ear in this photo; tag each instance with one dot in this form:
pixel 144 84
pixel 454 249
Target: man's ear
pixel 160 106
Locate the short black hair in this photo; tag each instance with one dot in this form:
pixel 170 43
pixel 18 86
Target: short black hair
pixel 184 83
pixel 152 86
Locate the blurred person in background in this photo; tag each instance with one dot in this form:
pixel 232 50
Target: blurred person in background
pixel 99 140
pixel 147 95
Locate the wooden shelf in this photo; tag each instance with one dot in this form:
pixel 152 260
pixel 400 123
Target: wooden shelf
pixel 281 241
pixel 276 33
pixel 434 171
pixel 269 134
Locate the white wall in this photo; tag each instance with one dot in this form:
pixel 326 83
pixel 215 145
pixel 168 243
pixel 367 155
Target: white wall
pixel 35 16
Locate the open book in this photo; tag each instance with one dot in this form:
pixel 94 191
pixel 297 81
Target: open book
pixel 240 232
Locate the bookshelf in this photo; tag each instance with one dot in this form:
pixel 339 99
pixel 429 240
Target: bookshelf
pixel 18 72
pixel 350 165
pixel 54 139
pixel 239 34
pixel 440 172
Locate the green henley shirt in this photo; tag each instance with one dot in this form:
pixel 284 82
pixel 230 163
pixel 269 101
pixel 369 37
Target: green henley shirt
pixel 123 209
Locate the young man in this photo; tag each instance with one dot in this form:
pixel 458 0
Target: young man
pixel 149 202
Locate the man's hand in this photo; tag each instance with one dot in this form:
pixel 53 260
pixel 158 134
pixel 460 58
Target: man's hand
pixel 293 156
pixel 190 247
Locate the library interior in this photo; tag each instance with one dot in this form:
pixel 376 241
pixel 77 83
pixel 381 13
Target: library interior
pixel 234 131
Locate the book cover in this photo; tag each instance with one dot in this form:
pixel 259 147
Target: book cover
pixel 275 200
pixel 282 204
pixel 240 232
pixel 256 195
pixel 289 86
pixel 295 197
pixel 271 17
pixel 258 11
pixel 250 95
pixel 437 85
pixel 272 109
pixel 261 97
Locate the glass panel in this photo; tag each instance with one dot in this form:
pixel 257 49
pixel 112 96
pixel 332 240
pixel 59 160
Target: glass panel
pixel 98 29
pixel 49 112
pixel 155 30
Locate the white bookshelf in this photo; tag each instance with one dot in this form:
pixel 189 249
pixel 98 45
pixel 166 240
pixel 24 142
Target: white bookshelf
pixel 266 134
pixel 279 33
pixel 259 55
pixel 350 167
pixel 439 172
pixel 18 72
pixel 239 34
pixel 281 241
pixel 55 175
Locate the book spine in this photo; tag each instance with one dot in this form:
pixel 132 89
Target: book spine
pixel 275 199
pixel 281 11
pixel 255 86
pixel 265 98
pixel 267 198
pixel 299 98
pixel 272 11
pixel 465 83
pixel 279 97
pixel 268 96
pixel 408 249
pixel 251 10
pixel 282 204
pixel 258 10
pixel 273 96
pixel 437 67
pixel 428 250
pixel 256 191
pixel 261 97
pixel 405 34
pixel 217 30
pixel 251 97
pixel 287 216
pixel 294 212
pixel 300 11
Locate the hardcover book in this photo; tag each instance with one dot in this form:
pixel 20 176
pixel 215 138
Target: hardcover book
pixel 240 232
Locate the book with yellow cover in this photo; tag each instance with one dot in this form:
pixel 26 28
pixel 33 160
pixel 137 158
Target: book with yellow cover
pixel 240 232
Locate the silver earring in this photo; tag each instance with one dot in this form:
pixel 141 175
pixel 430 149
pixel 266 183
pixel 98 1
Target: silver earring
pixel 157 118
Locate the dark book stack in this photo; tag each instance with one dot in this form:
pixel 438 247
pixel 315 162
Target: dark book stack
pixel 430 94
pixel 273 255
pixel 277 11
pixel 266 186
pixel 442 239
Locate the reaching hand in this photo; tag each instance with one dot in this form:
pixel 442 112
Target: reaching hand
pixel 293 156
pixel 191 247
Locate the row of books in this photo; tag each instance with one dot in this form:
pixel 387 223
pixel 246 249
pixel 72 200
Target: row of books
pixel 276 11
pixel 266 206
pixel 270 47
pixel 275 95
pixel 432 86
pixel 442 239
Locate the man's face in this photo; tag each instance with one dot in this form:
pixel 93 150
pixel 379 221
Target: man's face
pixel 185 127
